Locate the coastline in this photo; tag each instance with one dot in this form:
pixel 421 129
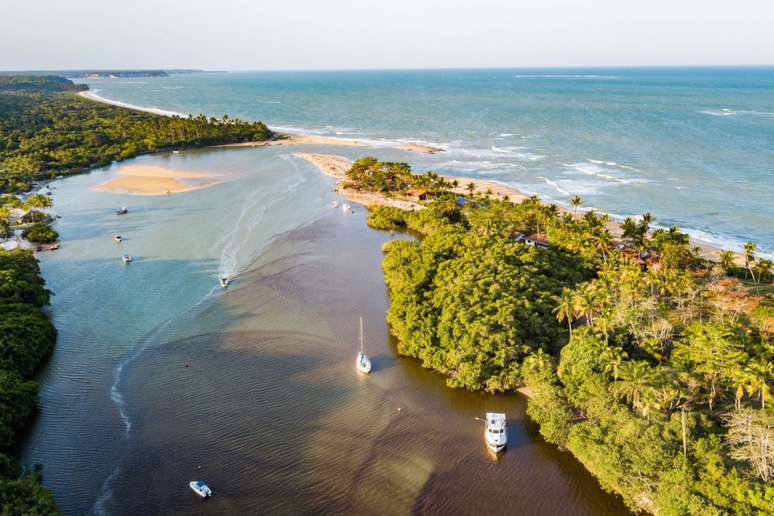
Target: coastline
pixel 337 166
pixel 281 139
pixel 705 250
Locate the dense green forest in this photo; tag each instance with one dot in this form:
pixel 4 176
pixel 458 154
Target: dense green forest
pixel 27 337
pixel 45 131
pixel 652 366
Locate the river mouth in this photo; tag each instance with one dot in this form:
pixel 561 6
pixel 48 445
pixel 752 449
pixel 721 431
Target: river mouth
pixel 271 412
pixel 161 377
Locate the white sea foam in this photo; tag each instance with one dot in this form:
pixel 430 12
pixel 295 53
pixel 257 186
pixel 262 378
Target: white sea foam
pixel 517 152
pixel 734 112
pixel 613 164
pixel 566 76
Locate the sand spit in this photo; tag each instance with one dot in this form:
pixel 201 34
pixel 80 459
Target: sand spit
pixel 156 180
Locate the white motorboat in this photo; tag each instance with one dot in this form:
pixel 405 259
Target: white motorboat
pixel 200 488
pixel 224 282
pixel 347 208
pixel 335 204
pixel 126 258
pixel 496 432
pixel 363 362
pixel 122 211
pixel 118 238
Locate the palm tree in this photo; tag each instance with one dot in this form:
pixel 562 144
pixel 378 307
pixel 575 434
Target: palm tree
pixel 749 256
pixel 636 378
pixel 613 358
pixel 566 309
pixel 764 268
pixel 757 375
pixel 538 365
pixel 471 187
pixel 576 201
pixel 586 300
pixel 727 259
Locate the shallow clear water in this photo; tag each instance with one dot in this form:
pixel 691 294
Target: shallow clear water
pixel 694 146
pixel 160 377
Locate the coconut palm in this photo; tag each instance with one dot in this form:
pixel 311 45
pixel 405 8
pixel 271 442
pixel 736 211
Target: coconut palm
pixel 727 258
pixel 749 256
pixel 576 201
pixel 613 357
pixel 471 187
pixel 758 373
pixel 764 268
pixel 636 378
pixel 538 366
pixel 566 308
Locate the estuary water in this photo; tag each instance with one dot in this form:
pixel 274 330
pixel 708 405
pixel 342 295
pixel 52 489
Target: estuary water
pixel 160 376
pixel 694 146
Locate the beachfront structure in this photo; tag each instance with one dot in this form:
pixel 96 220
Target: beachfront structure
pixel 419 194
pixel 538 240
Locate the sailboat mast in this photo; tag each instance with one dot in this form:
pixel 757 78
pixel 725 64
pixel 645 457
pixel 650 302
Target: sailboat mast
pixel 361 334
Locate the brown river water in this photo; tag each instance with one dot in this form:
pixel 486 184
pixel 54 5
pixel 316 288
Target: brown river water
pixel 159 377
pixel 271 412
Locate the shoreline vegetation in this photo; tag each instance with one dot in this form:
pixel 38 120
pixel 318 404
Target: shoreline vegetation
pixel 47 131
pixel 647 362
pixel 651 364
pixel 277 138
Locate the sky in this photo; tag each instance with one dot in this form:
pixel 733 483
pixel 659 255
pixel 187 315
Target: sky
pixel 353 34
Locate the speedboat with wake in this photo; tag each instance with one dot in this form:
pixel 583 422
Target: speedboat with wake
pixel 126 258
pixel 118 238
pixel 200 488
pixel 363 363
pixel 496 432
pixel 224 282
pixel 123 210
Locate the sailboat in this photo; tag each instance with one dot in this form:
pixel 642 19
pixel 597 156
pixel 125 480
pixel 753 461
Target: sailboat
pixel 363 362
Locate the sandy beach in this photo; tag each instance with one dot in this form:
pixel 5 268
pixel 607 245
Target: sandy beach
pixel 337 167
pixel 280 139
pixel 156 180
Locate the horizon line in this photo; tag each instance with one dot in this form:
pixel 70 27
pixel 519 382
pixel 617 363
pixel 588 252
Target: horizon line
pixel 377 69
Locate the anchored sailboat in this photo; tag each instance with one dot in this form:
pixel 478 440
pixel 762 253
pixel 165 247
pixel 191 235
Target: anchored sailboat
pixel 363 362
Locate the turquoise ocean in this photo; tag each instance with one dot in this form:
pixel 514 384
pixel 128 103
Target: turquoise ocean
pixel 693 146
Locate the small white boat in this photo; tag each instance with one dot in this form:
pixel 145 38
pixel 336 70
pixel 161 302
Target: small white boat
pixel 126 258
pixel 496 432
pixel 363 363
pixel 335 204
pixel 118 238
pixel 123 210
pixel 347 208
pixel 200 488
pixel 224 282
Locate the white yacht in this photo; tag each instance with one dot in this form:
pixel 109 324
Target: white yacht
pixel 496 432
pixel 363 362
pixel 347 208
pixel 122 211
pixel 126 258
pixel 335 204
pixel 200 488
pixel 118 238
